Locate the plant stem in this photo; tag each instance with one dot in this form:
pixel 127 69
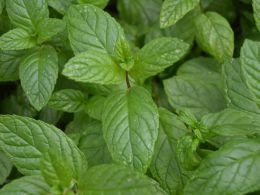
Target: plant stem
pixel 127 80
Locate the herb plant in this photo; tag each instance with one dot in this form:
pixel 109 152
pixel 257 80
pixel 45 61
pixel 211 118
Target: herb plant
pixel 146 97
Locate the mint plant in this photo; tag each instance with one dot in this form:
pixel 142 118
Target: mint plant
pixel 129 97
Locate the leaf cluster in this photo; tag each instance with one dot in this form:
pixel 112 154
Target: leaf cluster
pixel 149 97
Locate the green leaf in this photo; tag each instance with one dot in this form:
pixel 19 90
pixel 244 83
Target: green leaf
pixel 38 74
pixel 90 28
pixel 50 115
pixel 237 92
pixel 2 5
pixel 48 27
pixel 187 152
pixel 225 8
pixel 94 67
pixel 231 122
pixel 207 68
pixel 214 35
pixel 17 39
pixel 114 179
pixel 68 100
pixel 256 8
pixel 178 30
pixel 9 64
pixel 174 10
pixel 130 125
pixel 141 13
pixel 56 170
pixel 18 104
pixel 5 167
pixel 99 3
pixel 204 96
pixel 157 55
pixel 31 139
pixel 27 185
pixel 95 106
pixel 60 6
pixel 27 14
pixel 124 55
pixel 234 169
pixel 92 143
pixel 250 66
pixel 165 167
pixel 200 97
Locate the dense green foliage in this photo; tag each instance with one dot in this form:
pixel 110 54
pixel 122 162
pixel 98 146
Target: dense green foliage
pixel 138 97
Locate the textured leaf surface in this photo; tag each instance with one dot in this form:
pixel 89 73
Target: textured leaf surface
pixel 68 100
pixel 250 66
pixel 214 35
pixel 25 140
pixel 27 185
pixel 157 55
pixel 95 106
pixel 97 30
pixel 60 5
pixel 56 170
pixel 165 166
pixel 5 167
pixel 26 14
pixel 99 3
pixel 178 30
pixel 142 13
pixel 207 68
pixel 114 179
pixel 231 122
pixel 49 27
pixel 50 115
pixel 201 97
pixel 38 74
pixel 237 92
pixel 2 5
pixel 130 126
pixel 91 141
pixel 234 169
pixel 9 64
pixel 94 67
pixel 16 39
pixel 256 8
pixel 174 10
